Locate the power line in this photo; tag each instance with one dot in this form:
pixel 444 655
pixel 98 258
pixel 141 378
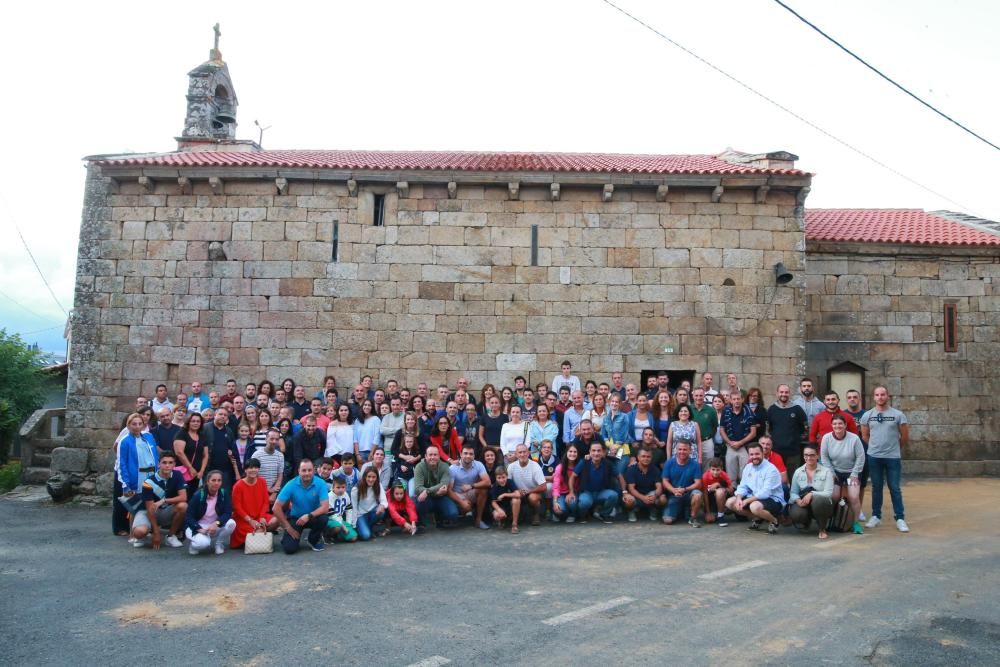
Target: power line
pixel 38 331
pixel 874 69
pixel 18 303
pixel 37 268
pixel 785 109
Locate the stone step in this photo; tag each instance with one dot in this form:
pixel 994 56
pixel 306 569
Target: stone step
pixel 35 475
pixel 41 459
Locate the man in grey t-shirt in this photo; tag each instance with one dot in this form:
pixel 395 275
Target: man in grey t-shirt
pixel 886 430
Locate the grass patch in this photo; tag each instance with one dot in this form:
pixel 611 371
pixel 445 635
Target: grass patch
pixel 10 476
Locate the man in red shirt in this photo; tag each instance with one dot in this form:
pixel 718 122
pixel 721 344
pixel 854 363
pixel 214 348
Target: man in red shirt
pixel 821 424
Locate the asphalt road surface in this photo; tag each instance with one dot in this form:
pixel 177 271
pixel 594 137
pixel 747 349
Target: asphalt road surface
pixel 593 594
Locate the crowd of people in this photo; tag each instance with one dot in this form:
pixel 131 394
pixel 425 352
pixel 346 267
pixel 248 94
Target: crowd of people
pixel 212 468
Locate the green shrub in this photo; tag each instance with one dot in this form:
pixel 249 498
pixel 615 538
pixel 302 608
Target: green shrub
pixel 10 476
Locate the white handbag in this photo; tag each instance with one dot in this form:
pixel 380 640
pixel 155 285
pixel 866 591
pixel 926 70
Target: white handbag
pixel 259 543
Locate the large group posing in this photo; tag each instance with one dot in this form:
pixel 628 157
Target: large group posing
pixel 213 468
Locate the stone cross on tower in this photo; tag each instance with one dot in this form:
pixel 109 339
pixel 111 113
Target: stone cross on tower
pixel 211 102
pixel 215 54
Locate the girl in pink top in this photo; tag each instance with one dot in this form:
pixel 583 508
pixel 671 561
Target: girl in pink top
pixel 562 508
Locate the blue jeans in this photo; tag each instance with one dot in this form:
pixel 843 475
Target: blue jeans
pixel 890 470
pixel 620 465
pixel 442 506
pixel 679 509
pixel 315 527
pixel 567 508
pixel 367 521
pixel 606 500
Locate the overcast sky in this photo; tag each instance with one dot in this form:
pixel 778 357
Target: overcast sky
pixel 559 75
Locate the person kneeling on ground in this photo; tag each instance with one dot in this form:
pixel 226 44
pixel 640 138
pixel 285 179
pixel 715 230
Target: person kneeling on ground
pixel 369 501
pixel 209 517
pixel 251 506
pixel 431 480
pixel 505 501
pixel 164 497
pixel 759 495
pixel 717 487
pixel 340 520
pixel 529 480
pixel 598 485
pixel 402 510
pixel 470 485
pixel 307 504
pixel 843 453
pixel 811 493
pixel 643 488
pixel 682 482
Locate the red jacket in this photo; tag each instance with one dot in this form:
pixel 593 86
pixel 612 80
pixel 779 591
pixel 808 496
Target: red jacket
pixel 453 451
pixel 822 424
pixel 403 511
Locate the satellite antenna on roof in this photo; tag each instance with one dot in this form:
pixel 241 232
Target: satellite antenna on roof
pixel 260 139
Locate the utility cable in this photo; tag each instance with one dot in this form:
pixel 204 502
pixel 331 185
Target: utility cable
pixel 785 109
pixel 877 71
pixel 38 268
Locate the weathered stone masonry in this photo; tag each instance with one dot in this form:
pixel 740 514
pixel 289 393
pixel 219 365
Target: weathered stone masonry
pixel 445 288
pixel 882 307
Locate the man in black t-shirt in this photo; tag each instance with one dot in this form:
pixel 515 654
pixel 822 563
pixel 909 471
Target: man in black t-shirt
pixel 164 498
pixel 788 424
pixel 643 487
pixel 308 443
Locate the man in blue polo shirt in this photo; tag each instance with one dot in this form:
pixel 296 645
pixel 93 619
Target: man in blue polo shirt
pixel 738 428
pixel 682 483
pixel 307 501
pixel 597 484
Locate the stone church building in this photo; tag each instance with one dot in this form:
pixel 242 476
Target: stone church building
pixel 223 260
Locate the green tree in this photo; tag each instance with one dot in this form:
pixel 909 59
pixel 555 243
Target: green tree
pixel 22 386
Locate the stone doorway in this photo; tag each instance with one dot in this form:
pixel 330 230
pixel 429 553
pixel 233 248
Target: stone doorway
pixel 676 377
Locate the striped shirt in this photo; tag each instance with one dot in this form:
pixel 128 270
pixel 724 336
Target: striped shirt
pixel 271 465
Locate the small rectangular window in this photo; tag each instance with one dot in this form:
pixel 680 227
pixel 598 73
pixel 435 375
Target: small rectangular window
pixel 378 211
pixel 534 245
pixel 336 240
pixel 951 327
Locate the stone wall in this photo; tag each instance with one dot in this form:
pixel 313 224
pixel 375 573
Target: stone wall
pixel 445 288
pixel 892 305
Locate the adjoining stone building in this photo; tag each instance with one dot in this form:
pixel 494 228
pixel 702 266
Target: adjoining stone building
pixel 911 300
pixel 223 260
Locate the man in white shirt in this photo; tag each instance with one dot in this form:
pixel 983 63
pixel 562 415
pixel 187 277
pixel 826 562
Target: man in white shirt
pixel 529 480
pixel 759 496
pixel 564 379
pixel 161 400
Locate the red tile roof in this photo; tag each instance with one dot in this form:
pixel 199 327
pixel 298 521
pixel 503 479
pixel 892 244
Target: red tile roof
pixel 452 161
pixel 892 225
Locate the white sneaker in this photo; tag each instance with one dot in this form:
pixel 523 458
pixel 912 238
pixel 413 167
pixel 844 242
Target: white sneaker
pixel 631 517
pixel 901 525
pixel 861 516
pixel 872 522
pixel 219 549
pixel 192 551
pixel 173 542
pixel 138 544
pixel 571 519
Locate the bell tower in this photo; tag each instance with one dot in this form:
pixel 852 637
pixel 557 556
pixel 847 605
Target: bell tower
pixel 210 123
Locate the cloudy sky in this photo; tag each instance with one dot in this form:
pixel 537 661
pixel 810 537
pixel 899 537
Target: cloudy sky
pixel 554 75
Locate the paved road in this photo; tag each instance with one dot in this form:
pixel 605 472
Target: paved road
pixel 592 594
